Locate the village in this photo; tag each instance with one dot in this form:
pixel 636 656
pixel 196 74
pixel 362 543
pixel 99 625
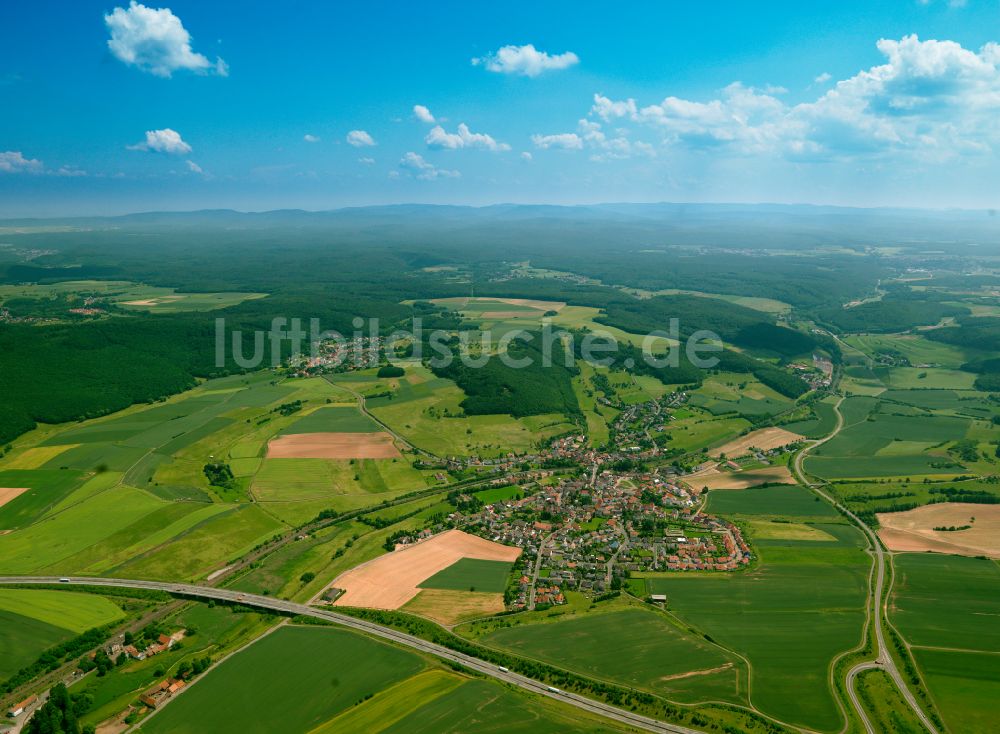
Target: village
pixel 596 516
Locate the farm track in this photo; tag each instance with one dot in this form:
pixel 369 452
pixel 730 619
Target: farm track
pixel 364 410
pixel 875 608
pixel 386 633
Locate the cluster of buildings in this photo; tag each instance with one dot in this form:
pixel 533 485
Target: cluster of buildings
pixel 590 534
pixel 339 355
pixel 162 644
pixel 608 517
pixel 818 375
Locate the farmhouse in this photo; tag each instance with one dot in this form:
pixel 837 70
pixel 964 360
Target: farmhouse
pixel 158 694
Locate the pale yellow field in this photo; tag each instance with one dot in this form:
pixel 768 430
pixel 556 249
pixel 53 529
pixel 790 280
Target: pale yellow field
pixel 391 580
pixel 9 493
pixel 913 530
pixel 35 457
pixel 715 479
pixel 451 607
pixel 787 531
pixel 764 439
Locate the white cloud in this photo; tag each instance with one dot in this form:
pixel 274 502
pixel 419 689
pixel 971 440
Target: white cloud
pixel 367 160
pixel 566 141
pixel 194 167
pixel 607 109
pixel 163 141
pixel 12 161
pixel 930 99
pixel 360 139
pixel 423 114
pixel 70 172
pixel 525 61
pixel 823 78
pixel 310 138
pixel 420 168
pixel 156 41
pixel 605 148
pixel 439 138
pixel 526 156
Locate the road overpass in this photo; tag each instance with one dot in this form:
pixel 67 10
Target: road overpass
pixel 622 716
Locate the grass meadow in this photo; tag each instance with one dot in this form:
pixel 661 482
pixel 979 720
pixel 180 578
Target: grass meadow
pixel 254 690
pixel 790 615
pixel 631 646
pixel 471 574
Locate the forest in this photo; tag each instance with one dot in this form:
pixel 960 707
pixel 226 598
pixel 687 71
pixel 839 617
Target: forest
pixel 370 263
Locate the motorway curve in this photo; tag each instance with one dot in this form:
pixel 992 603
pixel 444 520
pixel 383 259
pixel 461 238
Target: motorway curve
pixel 401 638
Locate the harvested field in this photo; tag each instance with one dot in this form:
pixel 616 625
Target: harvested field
pixel 764 439
pixel 743 479
pixel 913 530
pixel 452 607
pixel 333 446
pixel 390 581
pixel 9 493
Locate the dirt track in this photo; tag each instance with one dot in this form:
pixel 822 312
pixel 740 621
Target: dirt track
pixel 333 446
pixel 913 530
pixel 389 581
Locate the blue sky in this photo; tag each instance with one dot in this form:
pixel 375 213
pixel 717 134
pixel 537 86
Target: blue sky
pixel 109 108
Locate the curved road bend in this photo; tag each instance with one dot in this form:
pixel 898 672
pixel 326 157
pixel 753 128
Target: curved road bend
pixel 883 658
pixel 280 605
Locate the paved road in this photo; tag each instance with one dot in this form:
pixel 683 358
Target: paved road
pixel 851 675
pixel 280 605
pixel 883 658
pixel 537 569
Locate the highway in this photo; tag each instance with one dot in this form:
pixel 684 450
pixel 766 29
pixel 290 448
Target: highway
pixel 401 638
pixel 883 658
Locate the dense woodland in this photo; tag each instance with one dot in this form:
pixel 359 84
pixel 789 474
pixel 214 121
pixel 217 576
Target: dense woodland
pixel 337 266
pixel 533 390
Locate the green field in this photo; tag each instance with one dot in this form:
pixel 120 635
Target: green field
pixel 471 574
pixel 917 349
pixel 32 620
pixel 965 687
pixel 822 421
pixel 129 295
pixel 267 688
pixel 23 639
pixel 882 438
pixel 46 488
pixel 212 631
pixel 947 601
pixel 205 548
pixel 336 419
pixel 488 708
pixel 946 607
pixel 741 394
pixel 428 415
pixel 786 501
pixel 790 616
pixel 633 647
